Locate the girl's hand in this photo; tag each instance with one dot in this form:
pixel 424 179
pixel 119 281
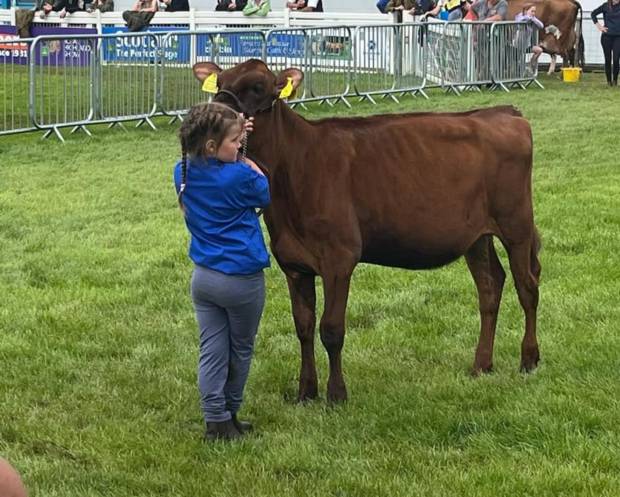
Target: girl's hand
pixel 253 165
pixel 248 125
pixel 601 28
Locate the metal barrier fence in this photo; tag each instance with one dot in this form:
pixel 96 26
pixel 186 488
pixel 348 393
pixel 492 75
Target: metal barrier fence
pixel 14 86
pixel 85 79
pixel 389 59
pixel 509 41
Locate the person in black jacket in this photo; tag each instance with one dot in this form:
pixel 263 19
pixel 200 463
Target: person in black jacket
pixel 230 5
pixel 176 5
pixel 610 37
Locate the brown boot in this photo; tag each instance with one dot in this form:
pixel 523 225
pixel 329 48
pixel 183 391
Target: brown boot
pixel 222 430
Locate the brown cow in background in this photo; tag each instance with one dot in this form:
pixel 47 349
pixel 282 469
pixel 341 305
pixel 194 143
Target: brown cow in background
pixel 562 33
pixel 414 191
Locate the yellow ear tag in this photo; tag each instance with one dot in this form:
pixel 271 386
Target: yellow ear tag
pixel 210 84
pixel 288 88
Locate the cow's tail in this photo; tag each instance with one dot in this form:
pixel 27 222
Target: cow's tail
pixel 580 52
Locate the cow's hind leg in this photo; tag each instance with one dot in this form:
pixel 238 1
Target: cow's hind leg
pixel 336 292
pixel 489 277
pixel 303 303
pixel 525 269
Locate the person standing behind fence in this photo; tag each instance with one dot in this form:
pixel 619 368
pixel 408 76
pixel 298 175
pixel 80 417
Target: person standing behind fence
pixel 306 5
pixel 528 14
pixel 63 7
pixel 452 10
pixel 218 192
pixel 491 10
pixel 101 5
pixel 230 5
pixel 610 37
pixel 176 5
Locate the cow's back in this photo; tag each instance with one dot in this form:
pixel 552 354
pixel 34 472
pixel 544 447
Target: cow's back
pixel 431 183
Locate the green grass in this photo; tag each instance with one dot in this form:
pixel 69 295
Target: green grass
pixel 98 394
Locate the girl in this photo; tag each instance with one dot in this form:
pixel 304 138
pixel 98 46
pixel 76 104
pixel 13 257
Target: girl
pixel 218 193
pixel 610 37
pixel 528 14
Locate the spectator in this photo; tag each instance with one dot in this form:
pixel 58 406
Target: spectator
pixel 381 5
pixel 176 5
pixel 528 14
pixel 491 10
pixel 63 7
pixel 141 14
pixel 44 6
pixel 422 7
pixel 306 5
pixel 257 8
pixel 395 5
pixel 230 5
pixel 101 5
pixel 454 9
pixel 610 37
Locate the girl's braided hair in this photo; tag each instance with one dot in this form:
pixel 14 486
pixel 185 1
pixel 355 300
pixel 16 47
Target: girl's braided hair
pixel 205 122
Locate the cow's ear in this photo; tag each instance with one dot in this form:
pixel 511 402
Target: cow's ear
pixel 202 70
pixel 288 81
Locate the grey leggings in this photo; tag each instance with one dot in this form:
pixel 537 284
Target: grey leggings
pixel 228 311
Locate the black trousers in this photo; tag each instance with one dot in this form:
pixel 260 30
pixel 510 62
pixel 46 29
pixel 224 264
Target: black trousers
pixel 611 51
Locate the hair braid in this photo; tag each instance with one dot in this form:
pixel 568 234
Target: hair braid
pixel 205 122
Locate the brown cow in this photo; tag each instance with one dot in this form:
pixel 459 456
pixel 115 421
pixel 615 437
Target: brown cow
pixel 414 191
pixel 562 32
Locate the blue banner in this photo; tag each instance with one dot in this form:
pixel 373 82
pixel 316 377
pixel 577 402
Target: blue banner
pixel 248 45
pixel 126 49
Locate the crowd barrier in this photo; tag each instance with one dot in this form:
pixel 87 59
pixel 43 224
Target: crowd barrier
pixel 55 81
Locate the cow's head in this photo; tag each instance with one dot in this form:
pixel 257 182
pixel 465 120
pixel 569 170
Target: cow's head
pixel 249 87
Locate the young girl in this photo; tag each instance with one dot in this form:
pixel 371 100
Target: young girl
pixel 528 14
pixel 218 193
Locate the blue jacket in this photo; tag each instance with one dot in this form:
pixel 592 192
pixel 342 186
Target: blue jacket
pixel 219 201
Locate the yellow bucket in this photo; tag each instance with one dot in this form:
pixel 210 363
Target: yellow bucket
pixel 571 74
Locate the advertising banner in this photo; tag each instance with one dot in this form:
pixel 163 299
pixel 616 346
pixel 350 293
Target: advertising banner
pixel 249 45
pixel 48 52
pixel 11 49
pixel 144 48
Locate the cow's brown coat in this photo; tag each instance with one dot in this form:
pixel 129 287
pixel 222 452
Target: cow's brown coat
pixel 406 190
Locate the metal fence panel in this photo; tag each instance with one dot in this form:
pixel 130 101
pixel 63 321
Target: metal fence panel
pixel 330 63
pixel 375 60
pixel 127 77
pixel 61 71
pixel 14 86
pixel 510 45
pixel 178 89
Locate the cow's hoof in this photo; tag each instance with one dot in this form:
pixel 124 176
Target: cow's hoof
pixel 336 395
pixel 529 360
pixel 307 391
pixel 479 370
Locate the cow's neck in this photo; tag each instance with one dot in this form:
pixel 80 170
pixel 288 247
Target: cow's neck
pixel 281 142
pixel 278 138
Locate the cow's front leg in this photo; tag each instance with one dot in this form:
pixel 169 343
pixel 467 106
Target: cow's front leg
pixel 551 65
pixel 336 290
pixel 303 303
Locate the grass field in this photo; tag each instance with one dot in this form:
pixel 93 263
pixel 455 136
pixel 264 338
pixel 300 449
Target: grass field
pixel 98 394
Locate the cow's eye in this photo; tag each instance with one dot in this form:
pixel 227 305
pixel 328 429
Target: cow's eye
pixel 258 88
